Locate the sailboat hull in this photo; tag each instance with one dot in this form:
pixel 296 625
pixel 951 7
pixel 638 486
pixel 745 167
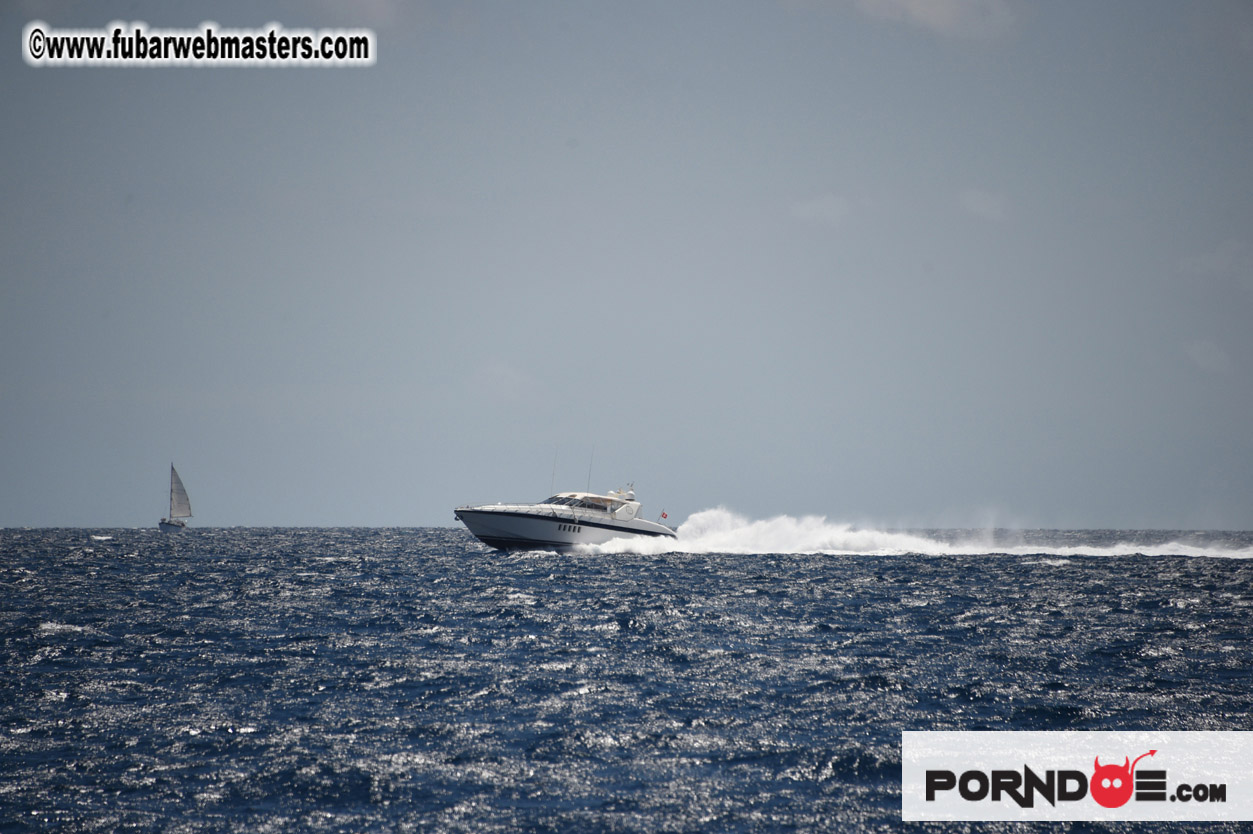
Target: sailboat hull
pixel 174 526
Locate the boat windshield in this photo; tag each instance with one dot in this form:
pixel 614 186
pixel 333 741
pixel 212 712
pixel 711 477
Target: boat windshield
pixel 578 503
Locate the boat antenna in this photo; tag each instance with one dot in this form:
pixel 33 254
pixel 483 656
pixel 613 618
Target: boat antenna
pixel 589 469
pixel 552 485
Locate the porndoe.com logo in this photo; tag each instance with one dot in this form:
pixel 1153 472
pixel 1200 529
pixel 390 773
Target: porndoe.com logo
pixel 980 776
pixel 1110 786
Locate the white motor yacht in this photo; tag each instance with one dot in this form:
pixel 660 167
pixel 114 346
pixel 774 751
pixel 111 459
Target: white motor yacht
pixel 562 522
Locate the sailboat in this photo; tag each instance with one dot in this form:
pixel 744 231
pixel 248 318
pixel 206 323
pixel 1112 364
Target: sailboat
pixel 180 505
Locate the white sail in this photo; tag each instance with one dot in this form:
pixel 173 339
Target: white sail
pixel 180 504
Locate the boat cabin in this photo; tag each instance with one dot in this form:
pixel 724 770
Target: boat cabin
pixel 619 504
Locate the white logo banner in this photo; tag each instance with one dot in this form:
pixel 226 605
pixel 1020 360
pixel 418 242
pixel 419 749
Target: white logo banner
pixel 1074 775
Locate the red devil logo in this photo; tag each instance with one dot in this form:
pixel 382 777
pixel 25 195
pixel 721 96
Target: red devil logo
pixel 1111 784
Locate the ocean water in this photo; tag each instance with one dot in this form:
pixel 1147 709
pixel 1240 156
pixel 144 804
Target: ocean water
pixel 755 677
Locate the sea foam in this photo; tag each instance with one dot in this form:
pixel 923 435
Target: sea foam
pixel 720 530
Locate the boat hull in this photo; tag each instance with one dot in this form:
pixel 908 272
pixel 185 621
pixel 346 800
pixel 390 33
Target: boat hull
pixel 517 530
pixel 174 526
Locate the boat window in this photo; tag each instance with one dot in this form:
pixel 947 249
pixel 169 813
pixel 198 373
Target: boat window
pixel 580 503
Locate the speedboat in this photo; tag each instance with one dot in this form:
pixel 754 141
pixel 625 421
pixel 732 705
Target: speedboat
pixel 565 521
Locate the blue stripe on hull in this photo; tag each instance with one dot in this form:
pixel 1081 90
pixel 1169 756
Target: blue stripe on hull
pixel 523 544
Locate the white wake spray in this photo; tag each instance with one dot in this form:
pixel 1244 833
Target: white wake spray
pixel 720 530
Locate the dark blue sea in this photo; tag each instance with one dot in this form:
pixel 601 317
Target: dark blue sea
pixel 370 680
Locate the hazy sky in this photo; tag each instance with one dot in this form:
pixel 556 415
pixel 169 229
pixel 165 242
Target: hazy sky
pixel 894 262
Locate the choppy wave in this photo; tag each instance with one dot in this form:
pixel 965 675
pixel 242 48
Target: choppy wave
pixel 720 530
